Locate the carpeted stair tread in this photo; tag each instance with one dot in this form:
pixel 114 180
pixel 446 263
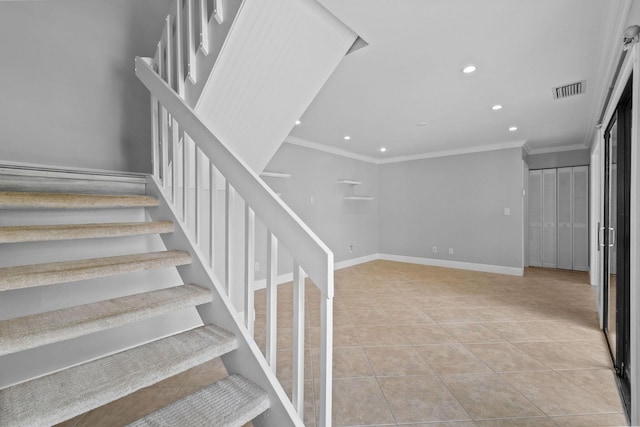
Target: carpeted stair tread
pixel 40 233
pixel 63 395
pixel 231 402
pixel 26 276
pixel 44 328
pixel 13 199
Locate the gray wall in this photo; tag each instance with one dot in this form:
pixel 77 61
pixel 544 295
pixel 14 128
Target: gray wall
pixel 338 222
pixel 69 93
pixel 454 202
pixel 561 159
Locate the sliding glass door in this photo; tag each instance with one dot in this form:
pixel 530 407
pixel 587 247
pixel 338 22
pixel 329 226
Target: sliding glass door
pixel 615 239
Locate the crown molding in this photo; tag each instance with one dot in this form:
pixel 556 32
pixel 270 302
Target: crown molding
pixel 456 152
pixel 558 149
pixel 294 140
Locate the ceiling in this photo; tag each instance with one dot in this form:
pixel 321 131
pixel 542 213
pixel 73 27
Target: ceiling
pixel 411 73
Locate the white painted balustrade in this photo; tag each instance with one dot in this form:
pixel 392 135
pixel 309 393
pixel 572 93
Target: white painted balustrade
pixel 206 183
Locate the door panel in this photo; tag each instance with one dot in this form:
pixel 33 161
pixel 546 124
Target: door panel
pixel 549 219
pixel 565 215
pixel 535 218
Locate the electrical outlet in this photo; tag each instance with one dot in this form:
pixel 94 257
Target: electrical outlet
pixel 507 211
pixel 256 267
pixel 350 249
pixel 450 251
pixel 434 250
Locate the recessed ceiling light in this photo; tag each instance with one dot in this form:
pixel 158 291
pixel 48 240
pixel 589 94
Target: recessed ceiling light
pixel 382 149
pixel 298 122
pixel 496 107
pixel 347 138
pixel 513 129
pixel 469 69
pixel 421 124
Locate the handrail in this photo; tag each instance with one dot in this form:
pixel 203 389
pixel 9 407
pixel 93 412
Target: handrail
pixel 179 124
pixel 315 257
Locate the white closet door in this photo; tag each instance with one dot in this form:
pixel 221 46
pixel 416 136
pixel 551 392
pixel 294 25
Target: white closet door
pixel 565 215
pixel 581 218
pixel 549 218
pixel 535 218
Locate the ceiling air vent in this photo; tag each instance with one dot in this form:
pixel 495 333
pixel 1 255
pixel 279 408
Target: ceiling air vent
pixel 569 90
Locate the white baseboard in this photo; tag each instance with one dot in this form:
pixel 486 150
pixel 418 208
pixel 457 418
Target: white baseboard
pixel 48 171
pixel 486 268
pixel 288 277
pixel 355 261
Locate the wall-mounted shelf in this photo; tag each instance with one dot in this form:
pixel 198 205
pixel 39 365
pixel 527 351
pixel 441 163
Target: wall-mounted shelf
pixel 275 175
pixel 349 181
pixel 358 198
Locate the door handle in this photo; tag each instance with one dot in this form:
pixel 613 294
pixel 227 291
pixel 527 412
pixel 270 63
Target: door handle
pixel 613 239
pixel 601 239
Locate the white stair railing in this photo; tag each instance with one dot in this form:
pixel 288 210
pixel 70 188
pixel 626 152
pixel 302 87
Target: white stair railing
pixel 187 155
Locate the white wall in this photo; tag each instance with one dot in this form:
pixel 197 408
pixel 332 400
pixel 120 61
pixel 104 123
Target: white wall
pixel 338 222
pixel 454 202
pixel 69 93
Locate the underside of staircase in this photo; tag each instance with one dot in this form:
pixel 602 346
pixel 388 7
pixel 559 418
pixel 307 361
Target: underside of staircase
pixel 63 394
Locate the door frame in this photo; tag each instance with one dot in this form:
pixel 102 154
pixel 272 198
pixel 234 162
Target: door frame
pixel 630 65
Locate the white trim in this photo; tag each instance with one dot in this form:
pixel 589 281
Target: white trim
pixel 37 170
pixel 294 140
pixel 355 261
pixel 558 149
pixel 288 277
pixel 456 152
pixel 620 84
pixel 486 268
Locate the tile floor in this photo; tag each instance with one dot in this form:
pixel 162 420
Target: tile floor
pixel 426 346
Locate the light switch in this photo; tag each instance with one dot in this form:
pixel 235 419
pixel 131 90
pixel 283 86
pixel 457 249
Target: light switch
pixel 507 211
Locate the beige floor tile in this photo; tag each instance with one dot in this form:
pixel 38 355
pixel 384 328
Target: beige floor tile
pixel 388 361
pixel 381 335
pixel 367 318
pixel 556 395
pixel 472 333
pixel 600 382
pixel 489 396
pixel 523 331
pixel 452 359
pixel 130 408
pixel 443 424
pixel 415 399
pixel 426 334
pixel 284 365
pixel 347 362
pixel 518 422
pixel 410 316
pixel 343 336
pixel 599 420
pixel 559 355
pixel 504 357
pixel 358 402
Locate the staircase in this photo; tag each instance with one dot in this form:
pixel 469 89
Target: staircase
pixel 64 394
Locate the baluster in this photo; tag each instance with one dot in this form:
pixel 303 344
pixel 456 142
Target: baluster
pixel 272 299
pixel 326 354
pixel 191 42
pixel 186 169
pixel 249 261
pixel 229 201
pixel 198 200
pixel 298 339
pixel 204 27
pixel 154 137
pixel 212 205
pixel 179 52
pixel 164 137
pixel 217 11
pixel 169 40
